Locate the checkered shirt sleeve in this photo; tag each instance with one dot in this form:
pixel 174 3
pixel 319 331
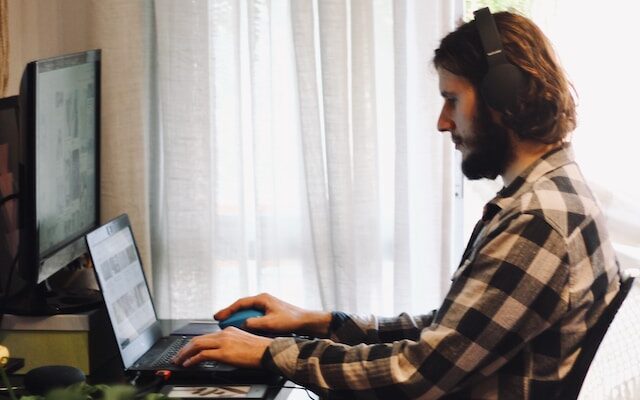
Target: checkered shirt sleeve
pixel 490 313
pixel 355 329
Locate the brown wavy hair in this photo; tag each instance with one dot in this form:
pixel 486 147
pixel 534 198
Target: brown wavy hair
pixel 545 109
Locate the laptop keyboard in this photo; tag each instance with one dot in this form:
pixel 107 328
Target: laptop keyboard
pixel 164 361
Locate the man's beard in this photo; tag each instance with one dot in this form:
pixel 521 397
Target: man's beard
pixel 490 151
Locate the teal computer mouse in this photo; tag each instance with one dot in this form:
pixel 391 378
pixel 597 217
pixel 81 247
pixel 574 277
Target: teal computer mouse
pixel 237 319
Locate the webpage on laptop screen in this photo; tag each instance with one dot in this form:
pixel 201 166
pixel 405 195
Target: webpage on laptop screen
pixel 124 288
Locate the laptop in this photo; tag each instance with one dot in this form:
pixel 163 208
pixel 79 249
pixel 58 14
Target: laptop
pixel 126 294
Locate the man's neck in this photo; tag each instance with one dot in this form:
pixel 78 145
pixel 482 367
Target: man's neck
pixel 526 152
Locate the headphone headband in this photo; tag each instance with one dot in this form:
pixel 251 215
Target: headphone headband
pixel 489 36
pixel 503 81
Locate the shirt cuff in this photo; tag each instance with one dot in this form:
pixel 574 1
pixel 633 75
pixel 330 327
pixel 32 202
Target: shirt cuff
pixel 338 318
pixel 281 356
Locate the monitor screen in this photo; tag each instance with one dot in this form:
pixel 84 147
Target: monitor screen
pixel 66 119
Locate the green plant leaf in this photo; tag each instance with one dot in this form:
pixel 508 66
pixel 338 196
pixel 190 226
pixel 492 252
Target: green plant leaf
pixel 84 391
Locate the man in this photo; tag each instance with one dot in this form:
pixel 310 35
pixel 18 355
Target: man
pixel 536 275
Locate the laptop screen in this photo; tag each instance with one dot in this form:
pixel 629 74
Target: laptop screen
pixel 124 288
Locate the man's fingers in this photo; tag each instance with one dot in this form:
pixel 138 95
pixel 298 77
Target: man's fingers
pixel 195 346
pixel 225 312
pixel 233 346
pixel 257 302
pixel 245 302
pixel 199 357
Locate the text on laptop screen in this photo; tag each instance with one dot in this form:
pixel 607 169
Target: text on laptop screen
pixel 123 285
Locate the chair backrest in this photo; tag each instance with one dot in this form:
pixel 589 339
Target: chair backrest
pixel 614 372
pixel 572 383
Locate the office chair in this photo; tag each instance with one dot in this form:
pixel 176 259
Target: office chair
pixel 609 365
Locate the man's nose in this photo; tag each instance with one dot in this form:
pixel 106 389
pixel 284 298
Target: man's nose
pixel 445 124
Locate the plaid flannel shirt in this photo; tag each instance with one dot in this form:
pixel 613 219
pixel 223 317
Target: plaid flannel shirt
pixel 534 279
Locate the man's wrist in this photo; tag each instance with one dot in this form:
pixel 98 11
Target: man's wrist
pixel 317 323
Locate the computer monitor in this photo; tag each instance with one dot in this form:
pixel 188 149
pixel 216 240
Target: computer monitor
pixel 59 105
pixel 66 133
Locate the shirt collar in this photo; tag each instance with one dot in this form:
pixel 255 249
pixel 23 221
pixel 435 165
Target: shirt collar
pixel 552 160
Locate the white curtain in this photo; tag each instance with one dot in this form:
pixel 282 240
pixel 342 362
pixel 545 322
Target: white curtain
pixel 296 153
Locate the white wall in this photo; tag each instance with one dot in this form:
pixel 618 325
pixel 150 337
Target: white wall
pixel 121 28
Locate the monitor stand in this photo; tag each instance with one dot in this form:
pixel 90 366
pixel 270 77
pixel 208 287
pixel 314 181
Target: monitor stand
pixel 66 292
pixel 70 301
pixel 71 290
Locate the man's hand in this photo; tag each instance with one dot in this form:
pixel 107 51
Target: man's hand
pixel 280 316
pixel 231 346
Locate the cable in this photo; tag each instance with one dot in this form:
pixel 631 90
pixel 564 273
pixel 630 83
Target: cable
pixel 12 196
pixel 134 380
pixel 296 387
pixel 10 278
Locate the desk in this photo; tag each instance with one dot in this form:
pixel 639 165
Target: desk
pixel 111 372
pixel 287 392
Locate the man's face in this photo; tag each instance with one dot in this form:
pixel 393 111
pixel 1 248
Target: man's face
pixel 485 144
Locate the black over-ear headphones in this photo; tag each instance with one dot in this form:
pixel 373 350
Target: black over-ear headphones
pixel 502 83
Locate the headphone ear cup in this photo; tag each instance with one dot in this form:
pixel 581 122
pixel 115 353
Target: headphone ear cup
pixel 501 85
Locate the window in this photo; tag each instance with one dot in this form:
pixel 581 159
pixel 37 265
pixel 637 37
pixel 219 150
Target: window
pixel 602 65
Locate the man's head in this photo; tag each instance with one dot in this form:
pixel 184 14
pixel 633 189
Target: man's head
pixel 543 113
